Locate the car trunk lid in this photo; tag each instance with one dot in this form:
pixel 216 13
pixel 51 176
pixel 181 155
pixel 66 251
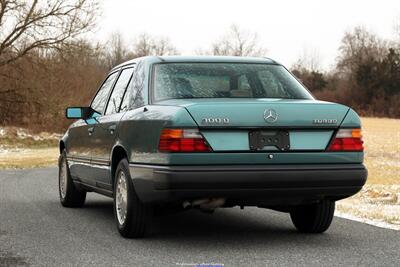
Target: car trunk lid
pixel 227 124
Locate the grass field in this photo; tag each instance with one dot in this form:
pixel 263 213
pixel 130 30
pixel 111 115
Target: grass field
pixel 382 150
pixel 379 201
pixel 28 158
pixel 21 149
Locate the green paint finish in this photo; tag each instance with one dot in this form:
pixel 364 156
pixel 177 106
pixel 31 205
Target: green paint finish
pixel 139 129
pixel 352 120
pixel 250 112
pixel 313 140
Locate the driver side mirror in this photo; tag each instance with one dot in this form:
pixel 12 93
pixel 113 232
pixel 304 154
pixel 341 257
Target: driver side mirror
pixel 79 113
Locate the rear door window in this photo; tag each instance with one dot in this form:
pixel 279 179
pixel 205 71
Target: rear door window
pixel 118 92
pixel 135 94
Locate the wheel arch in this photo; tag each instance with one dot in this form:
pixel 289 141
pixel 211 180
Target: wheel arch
pixel 118 153
pixel 61 146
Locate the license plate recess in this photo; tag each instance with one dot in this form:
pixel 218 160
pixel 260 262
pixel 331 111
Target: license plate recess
pixel 261 138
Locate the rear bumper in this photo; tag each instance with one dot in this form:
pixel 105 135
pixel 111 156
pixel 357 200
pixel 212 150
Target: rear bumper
pixel 252 185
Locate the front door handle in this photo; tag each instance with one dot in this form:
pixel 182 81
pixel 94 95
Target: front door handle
pixel 112 128
pixel 90 130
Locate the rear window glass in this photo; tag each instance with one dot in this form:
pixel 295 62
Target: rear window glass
pixel 225 80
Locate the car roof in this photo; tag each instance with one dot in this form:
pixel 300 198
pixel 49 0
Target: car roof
pixel 224 59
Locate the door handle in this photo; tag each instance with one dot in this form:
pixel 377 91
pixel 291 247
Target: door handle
pixel 112 128
pixel 90 130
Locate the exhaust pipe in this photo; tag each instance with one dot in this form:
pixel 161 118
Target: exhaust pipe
pixel 205 203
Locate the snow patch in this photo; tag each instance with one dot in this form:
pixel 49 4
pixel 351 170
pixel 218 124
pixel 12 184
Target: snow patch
pixel 22 134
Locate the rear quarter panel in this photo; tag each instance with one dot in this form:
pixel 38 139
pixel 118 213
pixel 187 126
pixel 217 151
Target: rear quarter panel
pixel 352 120
pixel 139 131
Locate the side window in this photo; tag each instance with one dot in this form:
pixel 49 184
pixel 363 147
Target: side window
pixel 134 96
pixel 100 100
pixel 118 92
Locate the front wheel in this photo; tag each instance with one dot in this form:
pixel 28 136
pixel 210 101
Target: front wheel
pixel 132 216
pixel 313 218
pixel 70 196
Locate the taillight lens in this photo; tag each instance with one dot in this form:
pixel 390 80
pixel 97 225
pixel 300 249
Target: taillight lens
pixel 182 140
pixel 347 140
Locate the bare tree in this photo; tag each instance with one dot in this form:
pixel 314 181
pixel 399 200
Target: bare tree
pixel 310 59
pixel 143 45
pixel 29 24
pixel 307 69
pixel 146 45
pixel 116 51
pixel 238 42
pixel 163 46
pixel 358 47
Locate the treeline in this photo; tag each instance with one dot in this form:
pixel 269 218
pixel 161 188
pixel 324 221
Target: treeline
pixel 46 64
pixel 36 89
pixel 366 75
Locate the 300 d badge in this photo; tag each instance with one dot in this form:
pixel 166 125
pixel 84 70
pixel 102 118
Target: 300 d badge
pixel 215 121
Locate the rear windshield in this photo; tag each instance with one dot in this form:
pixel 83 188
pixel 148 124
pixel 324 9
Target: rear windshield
pixel 225 80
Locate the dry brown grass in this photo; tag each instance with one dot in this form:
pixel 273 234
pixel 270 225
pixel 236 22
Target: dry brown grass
pixel 29 158
pixel 21 148
pixel 379 200
pixel 382 150
pixel 377 203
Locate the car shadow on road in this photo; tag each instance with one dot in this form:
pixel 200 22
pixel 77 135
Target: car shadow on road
pixel 231 226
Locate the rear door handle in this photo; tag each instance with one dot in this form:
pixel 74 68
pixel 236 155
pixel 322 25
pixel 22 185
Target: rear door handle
pixel 90 130
pixel 112 128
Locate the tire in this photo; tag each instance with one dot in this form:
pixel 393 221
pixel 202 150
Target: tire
pixel 313 218
pixel 70 196
pixel 133 217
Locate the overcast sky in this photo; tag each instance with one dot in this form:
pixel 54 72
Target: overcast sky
pixel 286 28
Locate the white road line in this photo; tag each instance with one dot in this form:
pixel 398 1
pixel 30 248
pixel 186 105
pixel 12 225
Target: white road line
pixel 380 224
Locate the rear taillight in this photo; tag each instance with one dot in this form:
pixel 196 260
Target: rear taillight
pixel 182 140
pixel 347 140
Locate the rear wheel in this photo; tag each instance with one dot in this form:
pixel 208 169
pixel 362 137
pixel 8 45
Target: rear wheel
pixel 132 216
pixel 313 218
pixel 70 196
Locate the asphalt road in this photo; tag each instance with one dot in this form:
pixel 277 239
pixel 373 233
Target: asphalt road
pixel 36 230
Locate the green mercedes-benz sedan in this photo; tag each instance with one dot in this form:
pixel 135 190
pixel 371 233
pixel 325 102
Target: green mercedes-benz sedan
pixel 167 133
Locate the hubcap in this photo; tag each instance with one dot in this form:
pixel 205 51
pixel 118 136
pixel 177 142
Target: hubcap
pixel 63 179
pixel 121 198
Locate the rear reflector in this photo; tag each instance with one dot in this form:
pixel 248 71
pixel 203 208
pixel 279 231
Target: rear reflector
pixel 182 140
pixel 347 140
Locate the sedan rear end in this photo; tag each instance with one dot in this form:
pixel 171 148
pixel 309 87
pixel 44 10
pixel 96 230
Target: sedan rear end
pixel 250 135
pixel 210 132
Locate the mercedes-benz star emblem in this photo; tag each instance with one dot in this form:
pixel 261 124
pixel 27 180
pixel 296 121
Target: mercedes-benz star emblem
pixel 270 115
